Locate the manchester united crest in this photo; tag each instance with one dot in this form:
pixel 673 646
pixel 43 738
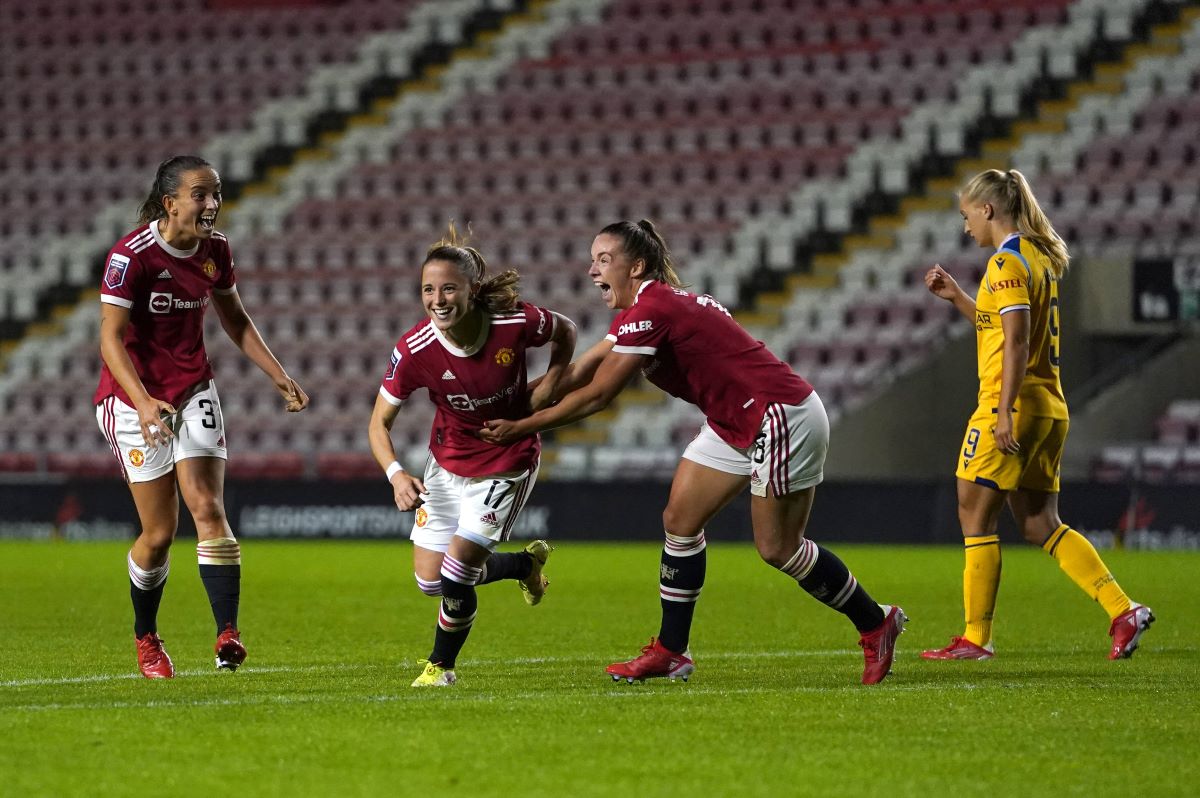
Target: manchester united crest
pixel 505 357
pixel 209 267
pixel 136 458
pixel 422 516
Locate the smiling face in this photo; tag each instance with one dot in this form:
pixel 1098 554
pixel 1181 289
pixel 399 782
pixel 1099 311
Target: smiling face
pixel 617 277
pixel 192 210
pixel 446 294
pixel 977 221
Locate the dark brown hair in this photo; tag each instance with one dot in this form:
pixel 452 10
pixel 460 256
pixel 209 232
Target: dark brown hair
pixel 642 241
pixel 495 294
pixel 166 183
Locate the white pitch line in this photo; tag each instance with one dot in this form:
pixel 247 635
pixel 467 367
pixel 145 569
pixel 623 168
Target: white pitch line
pixel 464 694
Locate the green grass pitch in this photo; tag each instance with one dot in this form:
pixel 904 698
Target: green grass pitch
pixel 323 706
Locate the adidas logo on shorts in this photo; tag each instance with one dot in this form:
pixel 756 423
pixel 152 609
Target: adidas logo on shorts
pixel 489 519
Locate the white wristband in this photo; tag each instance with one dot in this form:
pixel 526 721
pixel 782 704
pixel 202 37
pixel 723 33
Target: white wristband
pixel 393 469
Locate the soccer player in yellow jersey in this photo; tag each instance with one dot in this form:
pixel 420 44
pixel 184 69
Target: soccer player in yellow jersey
pixel 1014 441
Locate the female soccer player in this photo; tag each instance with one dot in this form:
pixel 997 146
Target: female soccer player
pixel 469 354
pixel 765 427
pixel 1014 441
pixel 157 403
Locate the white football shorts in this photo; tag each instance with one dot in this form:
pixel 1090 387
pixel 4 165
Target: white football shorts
pixel 787 455
pixel 199 432
pixel 481 509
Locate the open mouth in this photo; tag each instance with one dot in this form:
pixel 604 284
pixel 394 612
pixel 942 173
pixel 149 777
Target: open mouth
pixel 207 223
pixel 605 291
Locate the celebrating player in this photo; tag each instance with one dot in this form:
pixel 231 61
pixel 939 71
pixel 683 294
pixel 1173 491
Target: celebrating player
pixel 765 427
pixel 1015 439
pixel 470 356
pixel 157 403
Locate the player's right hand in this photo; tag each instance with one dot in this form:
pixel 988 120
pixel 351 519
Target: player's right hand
pixel 153 416
pixel 940 283
pixel 407 491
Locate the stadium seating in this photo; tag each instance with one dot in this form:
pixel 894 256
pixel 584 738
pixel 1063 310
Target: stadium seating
pixel 739 140
pixel 1173 457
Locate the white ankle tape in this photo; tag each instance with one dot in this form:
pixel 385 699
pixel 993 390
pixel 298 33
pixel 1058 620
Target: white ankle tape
pixel 219 551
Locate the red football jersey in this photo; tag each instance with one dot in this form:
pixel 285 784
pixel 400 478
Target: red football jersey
pixel 485 381
pixel 167 291
pixel 700 354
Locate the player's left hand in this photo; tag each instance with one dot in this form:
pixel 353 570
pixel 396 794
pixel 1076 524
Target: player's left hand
pixel 292 394
pixel 1006 441
pixel 500 431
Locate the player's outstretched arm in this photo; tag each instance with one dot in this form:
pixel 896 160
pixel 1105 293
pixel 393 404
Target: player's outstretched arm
pixel 113 321
pixel 562 349
pixel 613 374
pixel 941 284
pixel 242 331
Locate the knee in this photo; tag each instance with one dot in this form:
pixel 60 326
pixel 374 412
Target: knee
pixel 677 523
pixel 1037 529
pixel 158 537
pixel 208 511
pixel 774 553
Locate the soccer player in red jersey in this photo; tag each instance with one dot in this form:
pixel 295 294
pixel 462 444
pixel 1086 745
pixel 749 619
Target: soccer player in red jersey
pixel 157 403
pixel 765 428
pixel 1015 439
pixel 469 354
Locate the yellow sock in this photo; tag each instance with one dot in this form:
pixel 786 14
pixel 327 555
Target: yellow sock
pixel 981 580
pixel 1079 559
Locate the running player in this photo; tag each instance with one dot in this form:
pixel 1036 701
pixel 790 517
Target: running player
pixel 1014 441
pixel 765 428
pixel 157 404
pixel 469 354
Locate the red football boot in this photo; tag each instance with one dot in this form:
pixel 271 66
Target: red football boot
pixel 230 651
pixel 1126 630
pixel 879 645
pixel 655 661
pixel 152 657
pixel 960 648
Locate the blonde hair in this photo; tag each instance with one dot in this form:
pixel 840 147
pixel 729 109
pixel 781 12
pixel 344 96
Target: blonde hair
pixel 642 241
pixel 1010 194
pixel 495 294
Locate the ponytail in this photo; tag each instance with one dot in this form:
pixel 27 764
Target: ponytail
pixel 1010 193
pixel 495 294
pixel 642 241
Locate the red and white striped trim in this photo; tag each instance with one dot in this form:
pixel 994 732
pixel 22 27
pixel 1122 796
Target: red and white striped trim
pixel 449 624
pixel 842 595
pixel 108 426
pixel 519 501
pixel 667 593
pixel 678 546
pixel 780 449
pixel 458 571
pixel 802 561
pixel 433 588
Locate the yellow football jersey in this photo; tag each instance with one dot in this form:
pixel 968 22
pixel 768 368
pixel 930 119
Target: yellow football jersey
pixel 1019 278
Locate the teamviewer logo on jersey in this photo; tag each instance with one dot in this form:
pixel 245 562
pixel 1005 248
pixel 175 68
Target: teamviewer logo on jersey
pixel 161 303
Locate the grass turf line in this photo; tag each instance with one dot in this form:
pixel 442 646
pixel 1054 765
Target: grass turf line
pixel 323 706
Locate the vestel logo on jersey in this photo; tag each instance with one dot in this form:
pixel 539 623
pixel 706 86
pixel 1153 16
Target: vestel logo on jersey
pixel 505 357
pixel 635 327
